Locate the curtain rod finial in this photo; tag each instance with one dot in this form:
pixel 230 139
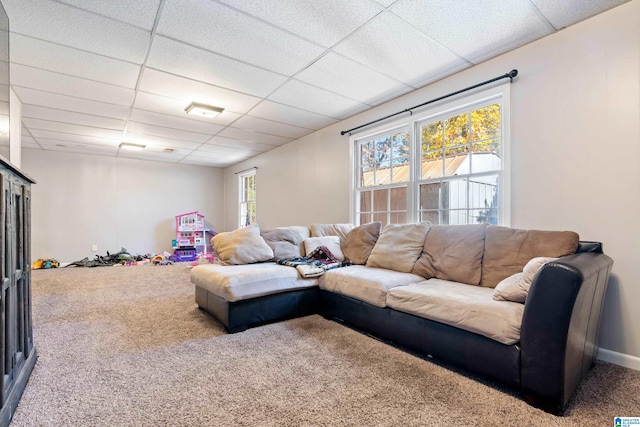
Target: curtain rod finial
pixel 513 73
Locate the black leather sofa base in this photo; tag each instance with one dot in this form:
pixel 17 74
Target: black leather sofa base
pixel 240 315
pixel 467 350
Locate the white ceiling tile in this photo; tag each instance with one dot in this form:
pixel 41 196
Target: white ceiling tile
pixel 216 159
pixel 27 139
pixel 188 90
pixel 475 30
pixel 150 155
pixel 339 74
pixel 153 130
pixel 204 162
pixel 68 85
pixel 69 103
pixel 33 124
pixel 160 141
pixel 175 107
pixel 53 57
pixel 185 123
pixel 32 145
pixel 564 13
pixel 396 49
pixel 198 64
pixel 66 25
pixel 271 127
pixel 141 13
pixel 324 22
pixel 311 98
pixel 41 134
pixel 248 135
pixel 51 114
pixel 95 150
pixel 385 3
pixel 45 143
pixel 294 116
pixel 220 29
pixel 236 143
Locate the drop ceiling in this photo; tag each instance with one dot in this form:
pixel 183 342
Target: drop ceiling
pixel 93 73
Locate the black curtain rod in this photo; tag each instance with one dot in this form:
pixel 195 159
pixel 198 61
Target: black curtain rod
pixel 509 75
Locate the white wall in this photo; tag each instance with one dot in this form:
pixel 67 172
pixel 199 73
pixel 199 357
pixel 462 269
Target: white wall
pixel 575 135
pixel 80 200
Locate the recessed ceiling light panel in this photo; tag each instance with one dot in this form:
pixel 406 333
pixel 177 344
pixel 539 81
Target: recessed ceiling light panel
pixel 203 110
pixel 131 146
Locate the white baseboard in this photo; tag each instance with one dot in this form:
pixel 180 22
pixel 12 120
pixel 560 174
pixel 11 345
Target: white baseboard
pixel 621 359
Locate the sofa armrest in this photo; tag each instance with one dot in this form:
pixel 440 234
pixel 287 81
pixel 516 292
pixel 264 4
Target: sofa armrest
pixel 560 327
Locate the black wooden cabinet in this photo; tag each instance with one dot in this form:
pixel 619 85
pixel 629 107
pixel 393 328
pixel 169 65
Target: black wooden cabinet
pixel 18 353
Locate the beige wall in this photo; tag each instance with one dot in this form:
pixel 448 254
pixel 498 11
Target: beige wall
pixel 80 200
pixel 575 155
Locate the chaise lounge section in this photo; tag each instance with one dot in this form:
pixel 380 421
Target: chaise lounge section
pixel 520 307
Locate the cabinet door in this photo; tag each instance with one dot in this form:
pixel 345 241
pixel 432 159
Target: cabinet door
pixel 18 282
pixel 6 297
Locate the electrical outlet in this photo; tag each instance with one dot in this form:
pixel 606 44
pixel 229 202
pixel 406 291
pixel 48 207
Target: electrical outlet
pixel 94 248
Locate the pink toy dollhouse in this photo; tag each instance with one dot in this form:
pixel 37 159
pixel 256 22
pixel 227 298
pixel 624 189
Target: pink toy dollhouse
pixel 192 233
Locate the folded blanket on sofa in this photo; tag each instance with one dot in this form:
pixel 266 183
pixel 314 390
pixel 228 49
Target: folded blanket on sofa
pixel 315 264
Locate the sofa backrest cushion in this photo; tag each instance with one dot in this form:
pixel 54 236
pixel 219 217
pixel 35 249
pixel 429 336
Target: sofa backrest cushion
pixel 360 241
pixel 241 246
pixel 507 250
pixel 286 242
pixel 340 230
pixel 398 247
pixel 330 242
pixel 453 252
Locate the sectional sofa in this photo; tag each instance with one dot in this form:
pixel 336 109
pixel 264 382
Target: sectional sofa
pixel 519 307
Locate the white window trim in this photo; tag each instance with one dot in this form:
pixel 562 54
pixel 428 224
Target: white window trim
pixel 502 91
pixel 241 176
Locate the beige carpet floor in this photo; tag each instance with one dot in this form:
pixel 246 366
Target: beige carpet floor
pixel 127 346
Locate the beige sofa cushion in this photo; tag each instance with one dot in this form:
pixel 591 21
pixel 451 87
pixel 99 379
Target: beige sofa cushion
pixel 471 308
pixel 360 241
pixel 241 246
pixel 330 242
pixel 365 283
pixel 507 250
pixel 241 282
pixel 516 287
pixel 340 230
pixel 453 252
pixel 286 242
pixel 398 247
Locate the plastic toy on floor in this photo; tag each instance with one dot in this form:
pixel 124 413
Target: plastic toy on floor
pixel 45 263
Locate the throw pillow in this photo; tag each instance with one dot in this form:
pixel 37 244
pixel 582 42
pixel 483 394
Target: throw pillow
pixel 285 242
pixel 516 287
pixel 507 250
pixel 360 241
pixel 398 247
pixel 340 230
pixel 330 242
pixel 241 246
pixel 453 252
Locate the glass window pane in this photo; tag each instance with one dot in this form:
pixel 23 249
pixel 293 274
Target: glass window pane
pixel 365 218
pixel 380 201
pixel 383 176
pixel 431 136
pixel 456 161
pixel 456 130
pixel 430 196
pixel 365 201
pixel 456 195
pixel 383 152
pixel 398 196
pixel 398 218
pixel 485 122
pixel 401 172
pixel 382 217
pixel 458 216
pixel 432 165
pixel 485 158
pixel 432 216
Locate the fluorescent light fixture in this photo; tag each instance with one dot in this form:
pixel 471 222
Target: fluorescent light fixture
pixel 203 110
pixel 131 146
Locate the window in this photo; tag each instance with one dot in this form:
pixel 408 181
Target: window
pixel 247 198
pixel 445 167
pixel 383 171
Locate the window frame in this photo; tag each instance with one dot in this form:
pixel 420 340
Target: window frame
pixel 242 203
pixel 499 93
